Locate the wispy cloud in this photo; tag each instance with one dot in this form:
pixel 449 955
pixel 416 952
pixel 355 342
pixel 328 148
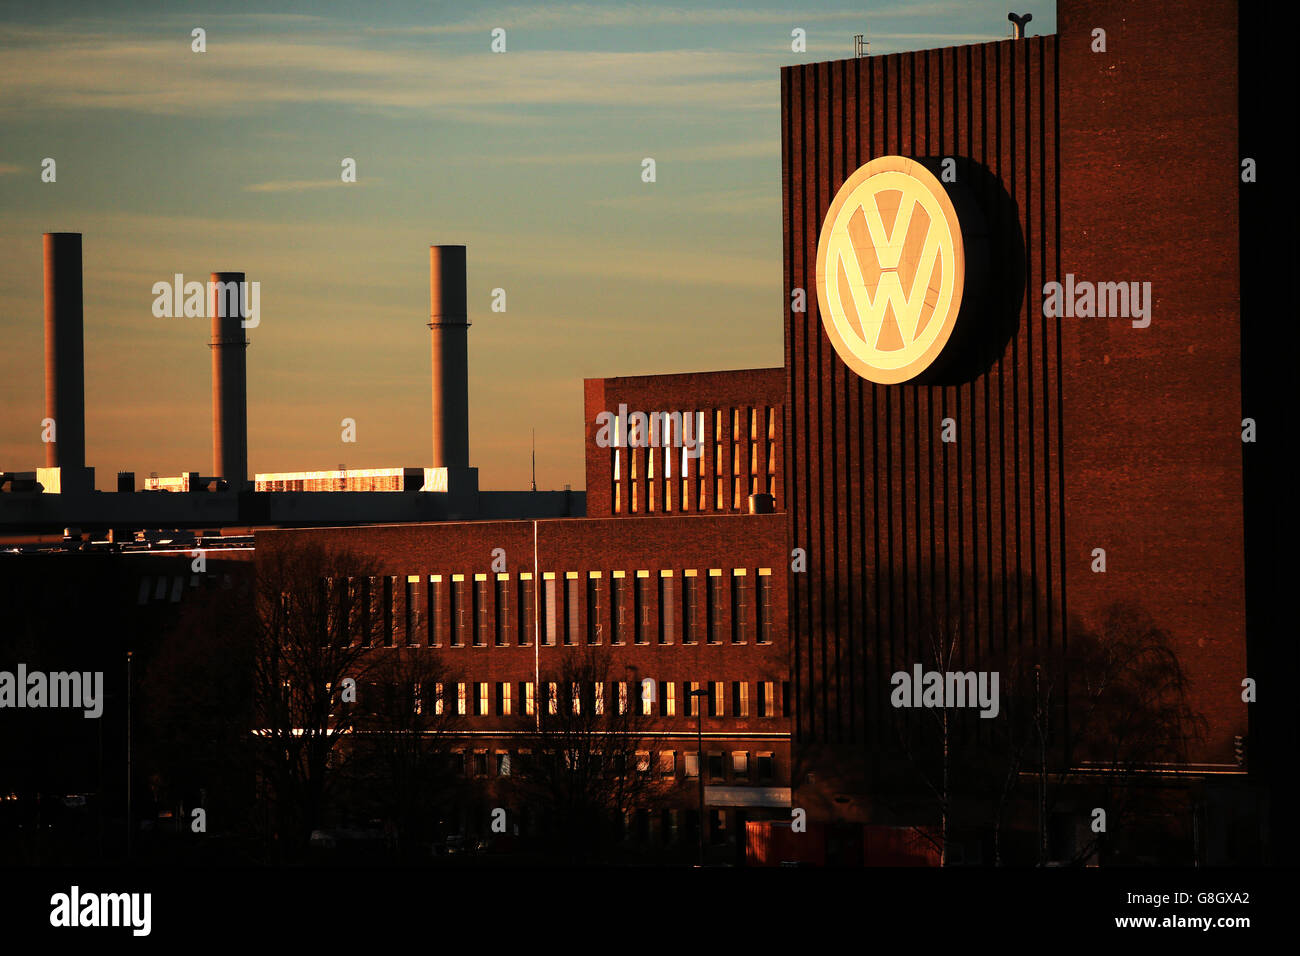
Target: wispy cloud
pixel 713 152
pixel 733 202
pixel 299 185
pixel 592 16
pixel 77 72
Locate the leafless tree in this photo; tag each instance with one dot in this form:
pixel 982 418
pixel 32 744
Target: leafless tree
pixel 397 764
pixel 589 762
pixel 312 638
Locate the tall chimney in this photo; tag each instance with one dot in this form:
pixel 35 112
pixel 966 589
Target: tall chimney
pixel 229 379
pixel 65 392
pixel 449 356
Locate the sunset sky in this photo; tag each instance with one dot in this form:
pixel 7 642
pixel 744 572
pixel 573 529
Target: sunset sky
pixel 170 161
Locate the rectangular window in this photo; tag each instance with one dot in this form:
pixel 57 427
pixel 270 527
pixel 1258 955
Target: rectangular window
pixel 764 702
pixel 549 610
pixel 481 708
pixel 458 610
pixel 667 763
pixel 689 701
pixel 434 613
pixel 345 605
pixel 771 451
pixel 503 610
pixel 480 763
pixel 503 763
pixel 622 697
pixel 666 608
pixel 618 476
pixel 527 616
pixel 594 626
pixel 438 704
pixel 652 486
pixel 412 605
pixel 691 763
pixel 670 698
pixel 740 698
pixel 717 690
pixel 600 698
pixel 764 606
pixel 481 608
pixel 571 607
pixel 369 605
pixel 765 766
pixel 648 688
pixel 552 698
pixel 740 764
pixel 642 609
pixel 785 698
pixel 462 699
pixel 739 605
pixel 717 770
pixel 504 703
pixel 701 464
pixel 715 606
pixel 575 697
pixel 631 479
pixel 390 621
pixel 737 456
pixel 690 607
pixel 530 704
pixel 618 607
pixel 719 463
pixel 618 484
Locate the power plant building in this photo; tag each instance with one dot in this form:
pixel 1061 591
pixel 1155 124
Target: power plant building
pixel 1008 422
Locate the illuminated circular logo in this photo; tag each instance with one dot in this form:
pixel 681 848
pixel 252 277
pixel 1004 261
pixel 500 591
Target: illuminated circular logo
pixel 890 270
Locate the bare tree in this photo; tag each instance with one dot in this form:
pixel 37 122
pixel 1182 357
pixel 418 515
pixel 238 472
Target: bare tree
pixel 1075 731
pixel 397 763
pixel 1130 719
pixel 313 628
pixel 588 764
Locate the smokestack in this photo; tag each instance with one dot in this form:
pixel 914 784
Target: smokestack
pixel 1018 22
pixel 65 393
pixel 449 356
pixel 229 379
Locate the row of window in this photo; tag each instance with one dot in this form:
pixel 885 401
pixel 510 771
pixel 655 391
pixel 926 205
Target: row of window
pixel 452 610
pixel 652 698
pixel 741 462
pixel 743 765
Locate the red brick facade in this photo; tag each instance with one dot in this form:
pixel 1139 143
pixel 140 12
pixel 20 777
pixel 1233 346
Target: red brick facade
pixel 742 414
pixel 1071 433
pixel 731 570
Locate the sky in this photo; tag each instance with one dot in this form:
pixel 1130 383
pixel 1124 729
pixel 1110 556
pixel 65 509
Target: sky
pixel 171 161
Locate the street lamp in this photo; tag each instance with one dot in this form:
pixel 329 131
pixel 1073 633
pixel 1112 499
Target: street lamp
pixel 129 831
pixel 699 758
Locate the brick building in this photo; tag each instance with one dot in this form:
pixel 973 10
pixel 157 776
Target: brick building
pixel 988 488
pixel 984 488
pixel 678 603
